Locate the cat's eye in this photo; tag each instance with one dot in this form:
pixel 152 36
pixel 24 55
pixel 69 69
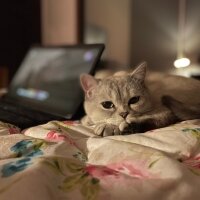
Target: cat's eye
pixel 134 100
pixel 108 104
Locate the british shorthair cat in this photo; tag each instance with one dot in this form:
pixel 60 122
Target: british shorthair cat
pixel 127 103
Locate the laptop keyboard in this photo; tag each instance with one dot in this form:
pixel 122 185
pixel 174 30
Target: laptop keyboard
pixel 22 116
pixel 12 118
pixel 22 111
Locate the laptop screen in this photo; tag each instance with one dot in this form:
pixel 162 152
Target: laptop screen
pixel 48 78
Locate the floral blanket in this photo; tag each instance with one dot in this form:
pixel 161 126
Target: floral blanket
pixel 64 160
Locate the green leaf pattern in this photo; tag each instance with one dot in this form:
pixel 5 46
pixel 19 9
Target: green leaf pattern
pixel 195 132
pixel 77 177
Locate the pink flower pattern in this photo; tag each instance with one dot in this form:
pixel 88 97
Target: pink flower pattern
pixel 55 136
pixel 134 169
pixel 193 162
pixel 71 123
pixel 13 130
pixel 101 171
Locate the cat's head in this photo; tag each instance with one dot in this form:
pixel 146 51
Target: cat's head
pixel 113 98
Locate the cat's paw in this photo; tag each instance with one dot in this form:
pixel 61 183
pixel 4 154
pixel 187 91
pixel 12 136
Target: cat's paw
pixel 136 124
pixel 131 119
pixel 127 128
pixel 123 126
pixel 104 129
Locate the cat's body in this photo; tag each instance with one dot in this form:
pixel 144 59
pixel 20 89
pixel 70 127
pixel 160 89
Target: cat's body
pixel 129 102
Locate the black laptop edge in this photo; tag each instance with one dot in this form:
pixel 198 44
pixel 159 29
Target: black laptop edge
pixel 80 110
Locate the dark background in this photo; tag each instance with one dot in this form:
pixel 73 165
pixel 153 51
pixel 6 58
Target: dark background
pixel 153 23
pixel 20 27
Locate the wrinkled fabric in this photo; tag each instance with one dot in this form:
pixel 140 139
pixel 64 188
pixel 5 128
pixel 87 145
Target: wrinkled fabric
pixel 65 160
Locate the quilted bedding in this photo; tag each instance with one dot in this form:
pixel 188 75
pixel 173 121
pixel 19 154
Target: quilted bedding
pixel 64 160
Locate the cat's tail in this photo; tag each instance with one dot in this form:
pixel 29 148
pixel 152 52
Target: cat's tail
pixel 181 110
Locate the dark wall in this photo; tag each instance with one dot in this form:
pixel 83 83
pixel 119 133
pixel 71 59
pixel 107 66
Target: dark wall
pixel 193 30
pixel 154 32
pixel 20 27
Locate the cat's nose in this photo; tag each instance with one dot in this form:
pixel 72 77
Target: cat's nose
pixel 123 114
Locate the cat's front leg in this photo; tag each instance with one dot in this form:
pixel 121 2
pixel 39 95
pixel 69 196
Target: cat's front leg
pixel 152 120
pixel 139 125
pixel 105 129
pixel 123 126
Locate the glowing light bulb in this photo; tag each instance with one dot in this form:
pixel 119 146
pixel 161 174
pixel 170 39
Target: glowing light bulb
pixel 182 62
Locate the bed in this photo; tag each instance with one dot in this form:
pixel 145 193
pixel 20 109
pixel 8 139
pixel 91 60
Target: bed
pixel 65 160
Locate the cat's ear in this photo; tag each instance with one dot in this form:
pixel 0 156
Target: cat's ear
pixel 87 82
pixel 140 72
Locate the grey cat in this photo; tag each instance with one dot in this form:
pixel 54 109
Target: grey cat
pixel 182 111
pixel 126 103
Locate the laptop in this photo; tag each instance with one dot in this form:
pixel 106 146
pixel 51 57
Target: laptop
pixel 46 85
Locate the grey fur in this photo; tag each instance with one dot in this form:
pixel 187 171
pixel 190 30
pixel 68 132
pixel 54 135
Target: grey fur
pixel 149 112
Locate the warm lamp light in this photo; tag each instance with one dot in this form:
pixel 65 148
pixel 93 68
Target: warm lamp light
pixel 181 62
